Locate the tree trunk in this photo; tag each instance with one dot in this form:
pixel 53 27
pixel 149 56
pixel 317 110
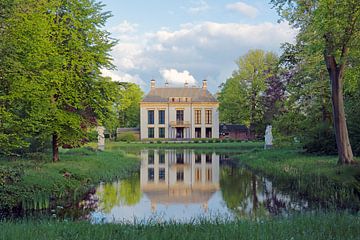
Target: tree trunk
pixel 55 147
pixel 341 132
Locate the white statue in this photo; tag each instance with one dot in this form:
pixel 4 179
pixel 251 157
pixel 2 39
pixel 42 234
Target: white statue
pixel 268 137
pixel 101 138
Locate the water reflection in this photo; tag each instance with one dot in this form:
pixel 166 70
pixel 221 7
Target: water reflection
pixel 181 185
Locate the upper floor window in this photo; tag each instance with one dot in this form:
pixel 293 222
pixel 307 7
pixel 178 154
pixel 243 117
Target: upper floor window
pixel 161 116
pixel 197 116
pixel 179 115
pixel 150 116
pixel 208 116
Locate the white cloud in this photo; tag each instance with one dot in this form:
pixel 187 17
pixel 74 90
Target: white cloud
pixel 124 27
pixel 244 8
pixel 206 50
pixel 122 77
pixel 198 7
pixel 173 76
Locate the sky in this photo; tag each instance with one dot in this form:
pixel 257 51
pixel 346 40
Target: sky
pixel 190 40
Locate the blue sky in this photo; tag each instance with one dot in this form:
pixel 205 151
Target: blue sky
pixel 189 40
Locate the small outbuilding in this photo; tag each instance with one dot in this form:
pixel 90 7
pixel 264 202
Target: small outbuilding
pixel 234 131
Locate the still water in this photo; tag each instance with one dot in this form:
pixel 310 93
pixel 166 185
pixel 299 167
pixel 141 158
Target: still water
pixel 185 185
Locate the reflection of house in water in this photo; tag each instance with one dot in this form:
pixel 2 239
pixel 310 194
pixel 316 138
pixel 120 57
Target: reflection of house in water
pixel 179 176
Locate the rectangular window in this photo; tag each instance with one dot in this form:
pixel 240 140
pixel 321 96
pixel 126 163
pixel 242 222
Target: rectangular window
pixel 180 175
pixel 150 132
pixel 161 116
pixel 197 132
pixel 179 158
pixel 162 174
pixel 179 115
pixel 209 175
pixel 150 157
pixel 161 158
pixel 197 158
pixel 198 175
pixel 151 175
pixel 150 116
pixel 197 116
pixel 208 133
pixel 161 132
pixel 208 116
pixel 208 158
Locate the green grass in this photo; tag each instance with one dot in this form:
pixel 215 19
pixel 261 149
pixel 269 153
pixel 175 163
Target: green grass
pixel 308 226
pixel 31 182
pixel 318 178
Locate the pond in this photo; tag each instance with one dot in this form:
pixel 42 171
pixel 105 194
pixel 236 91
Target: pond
pixel 184 185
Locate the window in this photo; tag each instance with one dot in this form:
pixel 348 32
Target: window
pixel 180 158
pixel 197 175
pixel 151 175
pixel 161 158
pixel 179 115
pixel 150 116
pixel 161 132
pixel 208 133
pixel 180 175
pixel 162 174
pixel 150 132
pixel 208 158
pixel 208 116
pixel 161 116
pixel 197 158
pixel 197 132
pixel 151 157
pixel 197 116
pixel 209 175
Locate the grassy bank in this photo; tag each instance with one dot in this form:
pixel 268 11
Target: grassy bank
pixel 241 146
pixel 315 226
pixel 317 178
pixel 34 181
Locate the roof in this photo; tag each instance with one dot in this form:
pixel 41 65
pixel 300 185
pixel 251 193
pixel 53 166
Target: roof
pixel 233 128
pixel 163 94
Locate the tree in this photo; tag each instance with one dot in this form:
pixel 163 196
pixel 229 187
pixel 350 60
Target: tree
pixel 128 104
pixel 331 27
pixel 53 55
pixel 241 96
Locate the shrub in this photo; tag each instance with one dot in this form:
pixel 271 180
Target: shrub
pixel 127 137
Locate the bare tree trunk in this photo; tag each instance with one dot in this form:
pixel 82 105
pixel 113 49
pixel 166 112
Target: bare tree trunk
pixel 341 132
pixel 55 147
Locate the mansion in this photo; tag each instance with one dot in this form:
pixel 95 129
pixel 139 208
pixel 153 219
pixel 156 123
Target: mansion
pixel 179 113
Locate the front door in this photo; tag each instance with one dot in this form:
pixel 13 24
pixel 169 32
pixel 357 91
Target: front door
pixel 179 132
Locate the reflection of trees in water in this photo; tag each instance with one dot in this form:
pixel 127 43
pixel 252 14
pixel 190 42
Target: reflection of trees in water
pixel 125 192
pixel 239 189
pixel 248 195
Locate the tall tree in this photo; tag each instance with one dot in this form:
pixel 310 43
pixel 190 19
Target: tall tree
pixel 53 68
pixel 241 96
pixel 331 27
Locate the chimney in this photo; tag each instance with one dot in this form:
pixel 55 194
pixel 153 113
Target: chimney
pixel 166 83
pixel 204 86
pixel 152 83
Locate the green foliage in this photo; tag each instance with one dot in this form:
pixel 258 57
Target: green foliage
pixel 51 55
pixel 320 139
pixel 307 226
pixel 241 96
pixel 127 137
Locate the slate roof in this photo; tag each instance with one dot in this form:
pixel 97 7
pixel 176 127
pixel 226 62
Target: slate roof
pixel 163 94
